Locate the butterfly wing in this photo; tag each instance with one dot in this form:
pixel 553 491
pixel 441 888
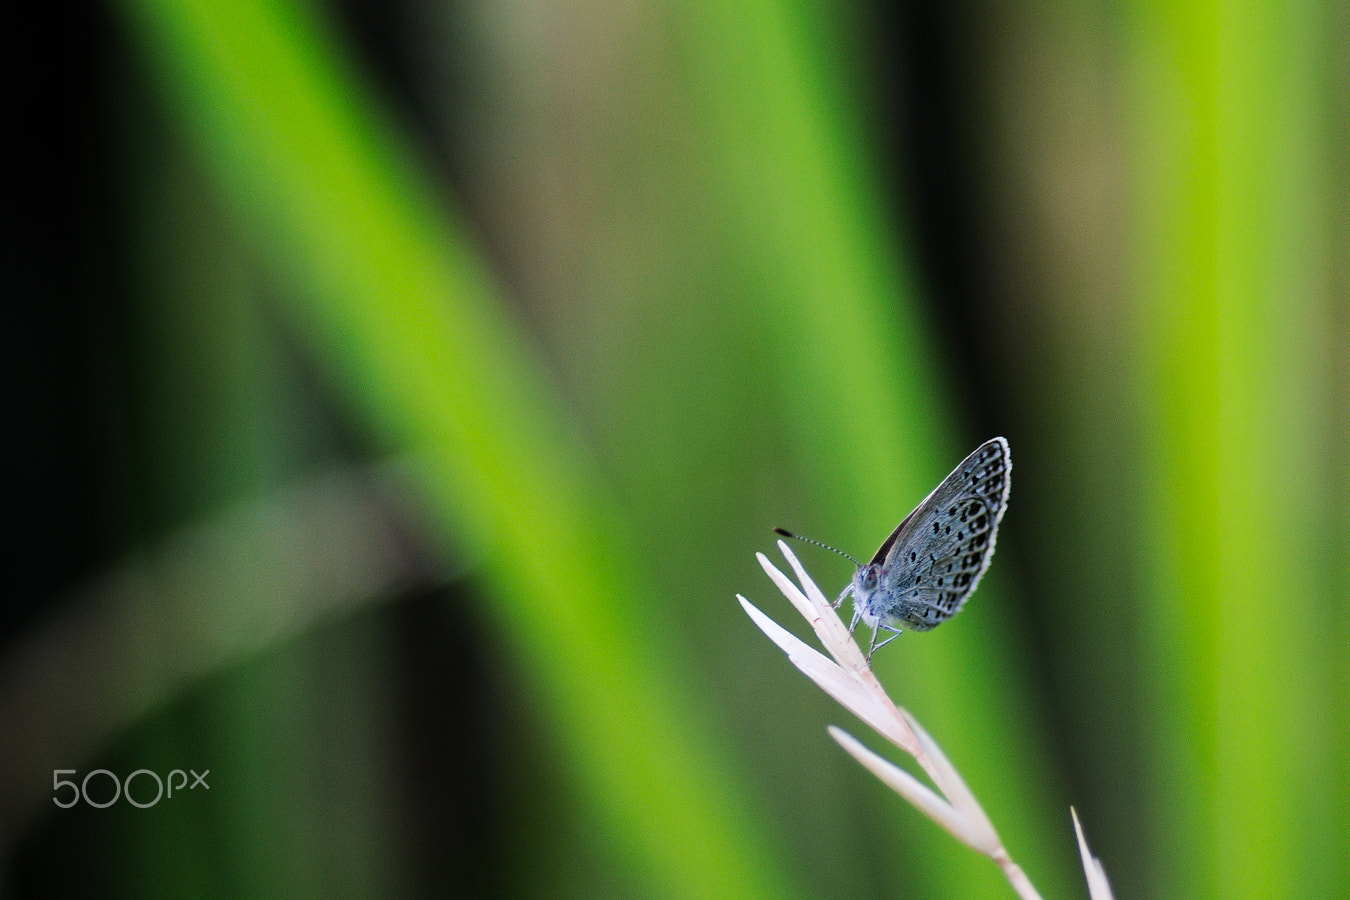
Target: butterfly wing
pixel 935 558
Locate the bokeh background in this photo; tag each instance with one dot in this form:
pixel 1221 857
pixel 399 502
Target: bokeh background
pixel 398 393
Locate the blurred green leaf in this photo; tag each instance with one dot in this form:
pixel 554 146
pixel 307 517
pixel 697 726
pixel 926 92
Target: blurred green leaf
pixel 389 296
pixel 1233 299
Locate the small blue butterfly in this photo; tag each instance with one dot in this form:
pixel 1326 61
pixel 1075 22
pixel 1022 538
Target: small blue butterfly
pixel 923 572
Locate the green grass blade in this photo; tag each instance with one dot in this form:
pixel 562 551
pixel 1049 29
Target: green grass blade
pixel 391 299
pixel 1234 291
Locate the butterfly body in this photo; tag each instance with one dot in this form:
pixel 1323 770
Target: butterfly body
pixel 923 573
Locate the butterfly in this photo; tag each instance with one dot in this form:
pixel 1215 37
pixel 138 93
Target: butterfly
pixel 922 574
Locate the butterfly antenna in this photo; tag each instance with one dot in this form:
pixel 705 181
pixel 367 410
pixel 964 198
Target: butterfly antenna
pixel 797 537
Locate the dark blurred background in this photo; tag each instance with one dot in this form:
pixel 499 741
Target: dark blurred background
pixel 400 392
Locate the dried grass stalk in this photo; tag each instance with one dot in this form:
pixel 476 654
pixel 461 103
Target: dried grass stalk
pixel 847 677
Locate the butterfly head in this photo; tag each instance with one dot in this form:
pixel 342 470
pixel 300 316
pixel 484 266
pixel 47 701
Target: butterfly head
pixel 865 582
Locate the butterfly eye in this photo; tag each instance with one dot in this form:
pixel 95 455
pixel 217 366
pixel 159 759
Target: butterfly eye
pixel 870 579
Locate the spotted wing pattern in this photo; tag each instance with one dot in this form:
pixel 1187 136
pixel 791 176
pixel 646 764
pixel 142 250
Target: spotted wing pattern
pixel 934 559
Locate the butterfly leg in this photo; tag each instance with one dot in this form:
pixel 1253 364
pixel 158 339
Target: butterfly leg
pixel 875 646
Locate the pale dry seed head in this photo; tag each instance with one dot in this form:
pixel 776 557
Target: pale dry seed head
pixel 1098 887
pixel 849 679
